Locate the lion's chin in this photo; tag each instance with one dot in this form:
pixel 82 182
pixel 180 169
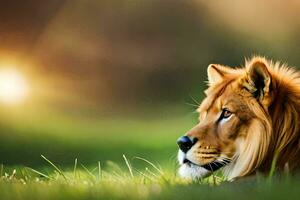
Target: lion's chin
pixel 192 171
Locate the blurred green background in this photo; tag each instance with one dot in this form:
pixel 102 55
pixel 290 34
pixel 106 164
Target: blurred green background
pixel 97 79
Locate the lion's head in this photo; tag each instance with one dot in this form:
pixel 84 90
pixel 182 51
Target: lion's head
pixel 237 120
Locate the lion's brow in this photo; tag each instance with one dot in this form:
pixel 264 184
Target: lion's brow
pixel 212 95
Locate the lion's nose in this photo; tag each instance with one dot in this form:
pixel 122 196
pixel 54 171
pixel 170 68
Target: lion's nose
pixel 185 143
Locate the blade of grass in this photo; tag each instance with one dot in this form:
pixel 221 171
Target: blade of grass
pixel 39 173
pixel 1 170
pixel 273 165
pixel 75 168
pixel 145 175
pixel 55 167
pixel 150 172
pixel 99 171
pixel 128 165
pixel 150 163
pixel 88 171
pixel 94 170
pixel 28 175
pixel 22 172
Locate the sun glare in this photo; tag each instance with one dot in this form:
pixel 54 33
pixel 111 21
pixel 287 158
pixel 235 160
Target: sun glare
pixel 13 87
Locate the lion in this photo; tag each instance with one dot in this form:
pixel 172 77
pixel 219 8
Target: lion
pixel 248 119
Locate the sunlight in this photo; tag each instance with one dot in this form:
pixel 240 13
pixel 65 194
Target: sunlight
pixel 13 87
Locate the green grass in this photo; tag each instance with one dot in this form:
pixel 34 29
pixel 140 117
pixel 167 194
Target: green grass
pixel 129 182
pixel 112 158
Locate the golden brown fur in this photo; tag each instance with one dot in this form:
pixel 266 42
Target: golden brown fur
pixel 249 115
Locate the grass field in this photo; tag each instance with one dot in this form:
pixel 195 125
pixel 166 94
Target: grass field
pixel 132 183
pixel 111 158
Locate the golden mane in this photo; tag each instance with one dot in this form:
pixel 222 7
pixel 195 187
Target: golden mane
pixel 275 133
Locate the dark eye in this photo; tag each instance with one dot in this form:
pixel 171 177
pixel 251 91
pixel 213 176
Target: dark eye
pixel 225 114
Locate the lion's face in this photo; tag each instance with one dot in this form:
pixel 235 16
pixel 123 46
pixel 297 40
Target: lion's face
pixel 226 117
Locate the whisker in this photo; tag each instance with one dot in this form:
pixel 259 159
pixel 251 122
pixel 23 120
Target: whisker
pixel 194 105
pixel 225 158
pixel 223 163
pixel 211 169
pixel 215 164
pixel 195 101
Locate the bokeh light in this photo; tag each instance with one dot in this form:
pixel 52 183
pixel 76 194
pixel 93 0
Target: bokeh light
pixel 13 87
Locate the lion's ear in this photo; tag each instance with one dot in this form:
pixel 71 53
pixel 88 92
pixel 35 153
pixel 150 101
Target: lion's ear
pixel 258 79
pixel 216 73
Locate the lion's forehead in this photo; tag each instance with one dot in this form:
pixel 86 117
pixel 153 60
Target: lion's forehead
pixel 228 95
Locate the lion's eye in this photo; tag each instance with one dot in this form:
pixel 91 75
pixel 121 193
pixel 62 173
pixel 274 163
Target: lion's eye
pixel 225 114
